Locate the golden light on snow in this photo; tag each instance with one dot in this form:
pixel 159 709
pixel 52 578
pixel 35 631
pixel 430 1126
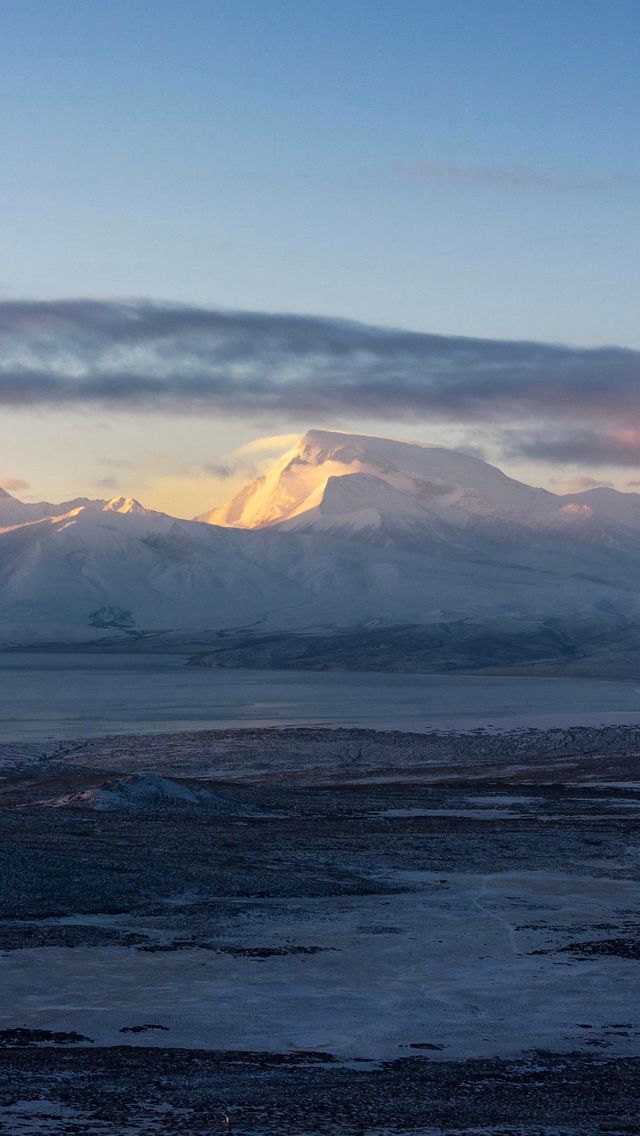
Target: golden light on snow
pixel 576 510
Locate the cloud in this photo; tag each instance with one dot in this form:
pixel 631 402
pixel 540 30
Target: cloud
pixel 580 484
pixel 508 178
pixel 115 463
pixel 13 484
pixel 106 483
pixel 248 459
pixel 150 357
pixel 619 447
pixel 222 470
pixel 277 443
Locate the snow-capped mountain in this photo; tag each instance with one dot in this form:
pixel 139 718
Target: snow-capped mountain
pixel 419 496
pixel 332 475
pixel 15 512
pixel 386 543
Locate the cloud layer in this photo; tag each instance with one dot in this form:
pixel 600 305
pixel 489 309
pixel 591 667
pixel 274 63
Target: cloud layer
pixel 620 447
pixel 13 484
pixel 510 178
pixel 306 370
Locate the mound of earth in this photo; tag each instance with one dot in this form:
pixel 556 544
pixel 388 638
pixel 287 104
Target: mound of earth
pixel 148 792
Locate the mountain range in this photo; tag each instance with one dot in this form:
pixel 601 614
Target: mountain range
pixel 350 551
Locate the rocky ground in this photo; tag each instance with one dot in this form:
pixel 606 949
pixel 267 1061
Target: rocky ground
pixel 331 931
pixel 173 1092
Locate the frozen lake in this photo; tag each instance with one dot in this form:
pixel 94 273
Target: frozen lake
pixel 71 695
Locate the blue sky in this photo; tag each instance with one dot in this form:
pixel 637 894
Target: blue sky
pixel 467 168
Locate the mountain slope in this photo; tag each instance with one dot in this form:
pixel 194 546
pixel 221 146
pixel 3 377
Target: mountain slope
pixel 91 572
pixel 93 575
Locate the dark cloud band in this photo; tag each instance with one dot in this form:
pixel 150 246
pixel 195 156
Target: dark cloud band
pixel 149 356
pixel 576 447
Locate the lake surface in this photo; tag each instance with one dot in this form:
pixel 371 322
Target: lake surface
pixel 74 695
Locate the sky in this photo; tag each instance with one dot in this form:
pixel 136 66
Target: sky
pixel 467 172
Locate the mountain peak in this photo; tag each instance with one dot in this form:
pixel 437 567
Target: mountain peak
pixel 335 438
pixel 295 488
pixel 124 505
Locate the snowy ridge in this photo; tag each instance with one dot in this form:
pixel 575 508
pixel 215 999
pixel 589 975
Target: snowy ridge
pixel 14 512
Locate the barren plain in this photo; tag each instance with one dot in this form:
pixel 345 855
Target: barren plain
pixel 317 930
